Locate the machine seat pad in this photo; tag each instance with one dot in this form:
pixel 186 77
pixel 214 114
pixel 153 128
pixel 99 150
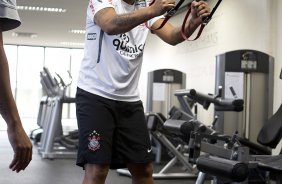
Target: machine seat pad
pixel 271 132
pixel 255 148
pixel 273 163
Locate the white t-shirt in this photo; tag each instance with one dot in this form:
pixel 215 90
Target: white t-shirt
pixel 112 63
pixel 9 16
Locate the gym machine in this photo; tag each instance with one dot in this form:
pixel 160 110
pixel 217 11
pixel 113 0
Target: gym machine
pixel 50 138
pixel 161 85
pixel 50 87
pixel 250 74
pixel 224 156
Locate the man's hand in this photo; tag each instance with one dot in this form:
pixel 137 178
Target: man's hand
pixel 199 11
pixel 22 148
pixel 162 6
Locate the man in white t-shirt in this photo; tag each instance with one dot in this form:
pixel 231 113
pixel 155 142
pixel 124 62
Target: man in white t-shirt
pixel 9 19
pixel 112 128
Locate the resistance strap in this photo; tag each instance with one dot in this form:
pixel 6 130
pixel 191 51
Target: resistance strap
pixel 168 15
pixel 205 22
pixel 173 11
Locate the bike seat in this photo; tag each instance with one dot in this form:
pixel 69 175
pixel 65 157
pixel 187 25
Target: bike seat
pixel 271 133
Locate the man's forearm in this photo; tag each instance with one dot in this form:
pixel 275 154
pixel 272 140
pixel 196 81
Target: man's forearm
pixel 8 108
pixel 174 36
pixel 188 31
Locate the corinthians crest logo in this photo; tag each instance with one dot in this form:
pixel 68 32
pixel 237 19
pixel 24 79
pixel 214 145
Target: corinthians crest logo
pixel 94 143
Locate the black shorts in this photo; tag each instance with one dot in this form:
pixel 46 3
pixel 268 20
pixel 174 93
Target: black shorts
pixel 111 132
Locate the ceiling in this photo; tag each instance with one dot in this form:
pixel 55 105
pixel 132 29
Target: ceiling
pixel 52 29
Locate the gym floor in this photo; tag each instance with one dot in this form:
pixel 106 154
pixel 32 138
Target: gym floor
pixel 57 171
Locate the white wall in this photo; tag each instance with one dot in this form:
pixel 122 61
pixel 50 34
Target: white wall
pixel 236 25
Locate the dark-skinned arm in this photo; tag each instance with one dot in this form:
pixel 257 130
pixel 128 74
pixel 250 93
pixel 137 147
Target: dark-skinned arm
pixel 19 141
pixel 113 23
pixel 172 35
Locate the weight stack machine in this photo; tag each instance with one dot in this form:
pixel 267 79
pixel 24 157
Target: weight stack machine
pixel 161 87
pixel 245 74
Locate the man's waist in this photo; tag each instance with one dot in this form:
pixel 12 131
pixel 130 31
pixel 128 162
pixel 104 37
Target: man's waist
pixel 119 95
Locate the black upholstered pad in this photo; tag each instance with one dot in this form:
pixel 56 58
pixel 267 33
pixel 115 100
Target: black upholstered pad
pixel 273 163
pixel 271 132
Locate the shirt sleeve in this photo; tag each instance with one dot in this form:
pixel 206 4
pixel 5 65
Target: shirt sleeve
pixel 97 5
pixel 9 16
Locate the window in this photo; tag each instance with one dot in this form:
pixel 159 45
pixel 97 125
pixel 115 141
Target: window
pixel 29 90
pixel 12 56
pixel 25 65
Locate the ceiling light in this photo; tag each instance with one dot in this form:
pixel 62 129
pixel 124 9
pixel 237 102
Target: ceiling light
pixel 24 34
pixel 72 44
pixel 77 31
pixel 41 9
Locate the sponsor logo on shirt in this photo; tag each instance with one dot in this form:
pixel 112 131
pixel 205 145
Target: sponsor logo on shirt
pixel 91 36
pixel 126 48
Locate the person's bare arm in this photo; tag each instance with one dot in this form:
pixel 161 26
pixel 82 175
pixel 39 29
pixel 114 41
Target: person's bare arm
pixel 113 23
pixel 172 35
pixel 18 139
